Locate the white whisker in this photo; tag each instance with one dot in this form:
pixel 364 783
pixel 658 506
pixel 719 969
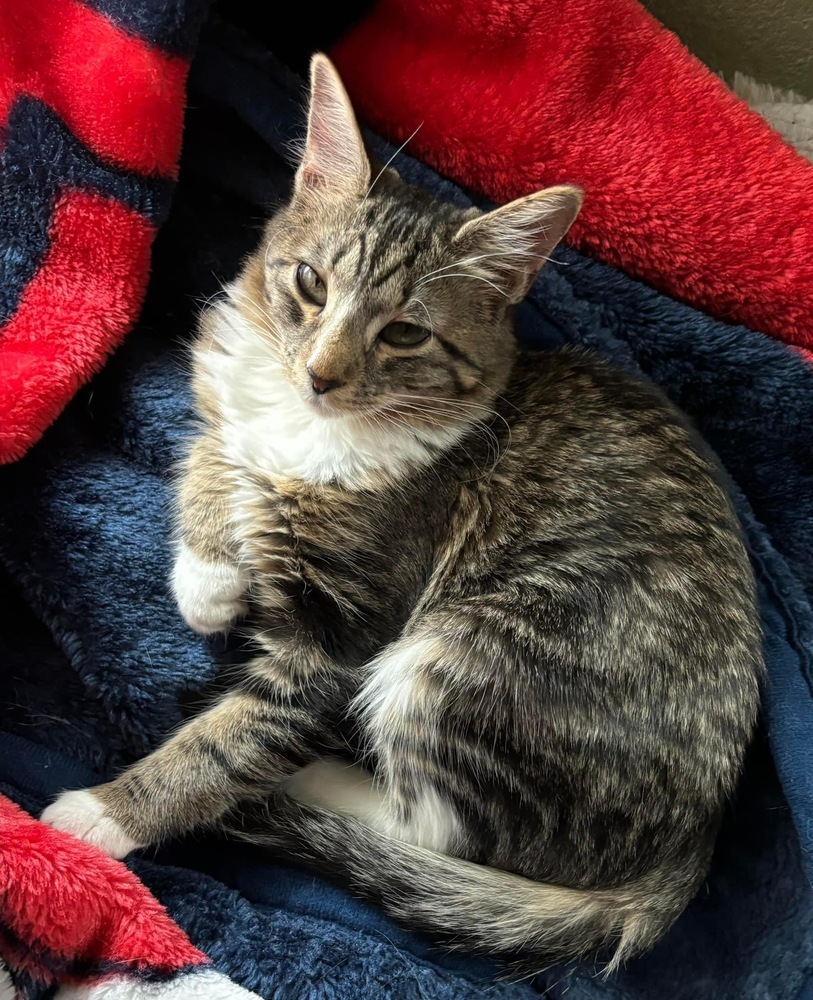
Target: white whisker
pixel 389 161
pixel 428 315
pixel 463 274
pixel 464 261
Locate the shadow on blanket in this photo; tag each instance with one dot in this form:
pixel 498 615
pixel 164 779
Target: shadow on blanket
pixel 98 665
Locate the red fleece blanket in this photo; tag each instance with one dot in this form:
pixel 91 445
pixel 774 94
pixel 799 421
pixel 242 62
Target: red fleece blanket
pixel 686 187
pixel 73 918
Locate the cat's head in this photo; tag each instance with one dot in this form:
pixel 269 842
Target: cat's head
pixel 378 298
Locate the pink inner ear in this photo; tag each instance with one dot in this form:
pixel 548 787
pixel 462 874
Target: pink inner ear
pixel 334 161
pixel 312 178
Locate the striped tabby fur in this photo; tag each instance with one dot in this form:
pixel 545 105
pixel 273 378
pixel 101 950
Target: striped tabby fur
pixel 511 586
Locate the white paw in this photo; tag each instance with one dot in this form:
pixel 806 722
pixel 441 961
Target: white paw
pixel 83 815
pixel 210 595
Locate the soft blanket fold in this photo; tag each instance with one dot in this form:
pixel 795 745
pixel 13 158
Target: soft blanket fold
pixel 91 110
pixel 70 915
pixel 97 665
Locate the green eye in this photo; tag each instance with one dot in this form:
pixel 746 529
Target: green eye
pixel 311 285
pixel 403 334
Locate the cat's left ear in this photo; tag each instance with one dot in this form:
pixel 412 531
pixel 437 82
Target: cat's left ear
pixel 335 161
pixel 512 242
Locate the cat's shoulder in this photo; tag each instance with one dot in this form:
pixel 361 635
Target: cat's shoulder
pixel 578 385
pixel 573 410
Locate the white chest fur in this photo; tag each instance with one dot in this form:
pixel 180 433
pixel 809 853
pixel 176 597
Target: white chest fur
pixel 270 428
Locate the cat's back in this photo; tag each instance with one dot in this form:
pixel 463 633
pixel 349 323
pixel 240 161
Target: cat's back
pixel 606 456
pixel 609 563
pixel 614 515
pixel 582 408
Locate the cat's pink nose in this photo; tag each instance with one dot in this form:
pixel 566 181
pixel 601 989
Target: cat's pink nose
pixel 322 385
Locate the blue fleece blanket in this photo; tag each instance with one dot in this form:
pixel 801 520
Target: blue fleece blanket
pixel 98 667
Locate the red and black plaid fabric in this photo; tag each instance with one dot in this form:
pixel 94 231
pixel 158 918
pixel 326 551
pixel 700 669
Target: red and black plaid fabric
pixel 91 112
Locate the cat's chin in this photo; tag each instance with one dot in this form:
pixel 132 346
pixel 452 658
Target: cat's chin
pixel 327 408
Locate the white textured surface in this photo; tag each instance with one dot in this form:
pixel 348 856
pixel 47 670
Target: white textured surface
pixel 204 985
pixel 7 991
pixel 790 114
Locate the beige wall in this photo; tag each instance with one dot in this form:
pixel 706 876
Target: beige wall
pixel 771 40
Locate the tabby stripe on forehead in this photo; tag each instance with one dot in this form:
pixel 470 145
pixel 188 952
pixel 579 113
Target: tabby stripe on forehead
pixel 456 353
pixel 362 253
pixel 381 279
pixel 340 254
pixel 399 230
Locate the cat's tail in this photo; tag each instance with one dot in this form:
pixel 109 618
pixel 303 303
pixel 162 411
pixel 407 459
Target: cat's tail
pixel 466 906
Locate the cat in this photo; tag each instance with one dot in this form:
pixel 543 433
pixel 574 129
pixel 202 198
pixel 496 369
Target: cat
pixel 510 585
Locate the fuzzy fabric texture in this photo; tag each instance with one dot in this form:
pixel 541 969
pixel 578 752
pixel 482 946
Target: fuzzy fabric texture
pixel 98 665
pixel 91 112
pixel 74 919
pixel 685 187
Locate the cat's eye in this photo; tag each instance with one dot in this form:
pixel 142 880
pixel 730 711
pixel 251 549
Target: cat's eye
pixel 403 334
pixel 311 285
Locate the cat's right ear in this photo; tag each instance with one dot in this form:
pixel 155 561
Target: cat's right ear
pixel 512 242
pixel 335 161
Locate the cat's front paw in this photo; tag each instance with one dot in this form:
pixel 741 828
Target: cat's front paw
pixel 83 815
pixel 210 595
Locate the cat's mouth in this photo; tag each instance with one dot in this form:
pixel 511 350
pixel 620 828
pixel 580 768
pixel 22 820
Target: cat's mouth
pixel 388 410
pixel 329 404
pixel 342 402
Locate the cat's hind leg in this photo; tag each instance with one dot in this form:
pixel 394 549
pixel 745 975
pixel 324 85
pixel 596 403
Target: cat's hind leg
pixel 416 815
pixel 408 798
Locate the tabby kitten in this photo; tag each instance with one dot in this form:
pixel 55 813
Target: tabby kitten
pixel 511 585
